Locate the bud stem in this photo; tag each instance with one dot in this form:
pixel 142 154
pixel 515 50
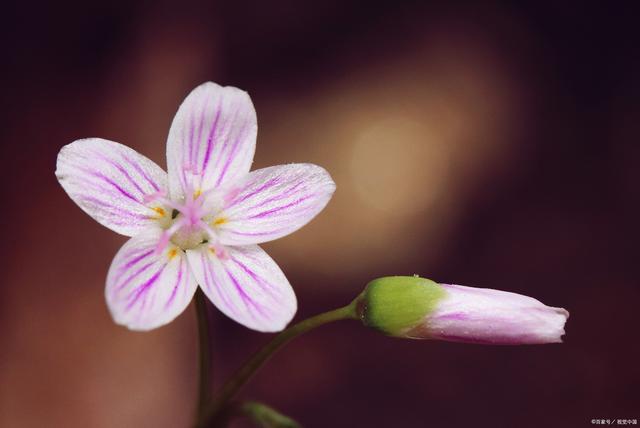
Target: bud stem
pixel 215 411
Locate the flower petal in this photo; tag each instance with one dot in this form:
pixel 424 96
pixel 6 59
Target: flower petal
pixel 212 139
pixel 245 284
pixel 273 202
pixel 146 288
pixel 110 182
pixel 487 316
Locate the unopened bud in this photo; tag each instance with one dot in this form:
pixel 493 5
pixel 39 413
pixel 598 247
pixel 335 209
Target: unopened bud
pixel 418 308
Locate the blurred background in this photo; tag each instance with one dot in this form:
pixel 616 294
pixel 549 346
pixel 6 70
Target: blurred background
pixel 487 145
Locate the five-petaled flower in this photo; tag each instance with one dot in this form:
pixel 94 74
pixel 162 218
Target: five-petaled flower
pixel 200 223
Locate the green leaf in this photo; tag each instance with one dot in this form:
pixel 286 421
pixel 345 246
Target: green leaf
pixel 267 417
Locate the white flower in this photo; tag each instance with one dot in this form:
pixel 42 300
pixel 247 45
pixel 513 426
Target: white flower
pixel 200 223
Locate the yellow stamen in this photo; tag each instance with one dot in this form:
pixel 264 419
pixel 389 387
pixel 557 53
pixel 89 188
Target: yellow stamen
pixel 219 221
pixel 172 253
pixel 161 213
pixel 197 193
pixel 213 250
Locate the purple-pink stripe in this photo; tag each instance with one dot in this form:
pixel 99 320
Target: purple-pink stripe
pixel 114 210
pixel 175 288
pixel 114 184
pixel 210 138
pixel 211 283
pixel 269 183
pixel 142 172
pixel 229 158
pixel 122 171
pixel 133 276
pixel 275 210
pixel 144 288
pixel 264 285
pixel 192 146
pixel 280 196
pixel 245 298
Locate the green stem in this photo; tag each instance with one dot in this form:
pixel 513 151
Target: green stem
pixel 240 378
pixel 204 385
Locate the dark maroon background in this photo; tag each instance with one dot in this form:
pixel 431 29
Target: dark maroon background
pixel 546 206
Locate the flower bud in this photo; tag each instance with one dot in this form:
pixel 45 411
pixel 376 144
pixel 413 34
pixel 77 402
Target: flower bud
pixel 418 308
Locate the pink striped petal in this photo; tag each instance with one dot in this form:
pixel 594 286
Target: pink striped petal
pixel 111 183
pixel 245 284
pixel 146 288
pixel 273 202
pixel 487 316
pixel 212 139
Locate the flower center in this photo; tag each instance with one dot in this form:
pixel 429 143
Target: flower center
pixel 189 223
pixel 191 228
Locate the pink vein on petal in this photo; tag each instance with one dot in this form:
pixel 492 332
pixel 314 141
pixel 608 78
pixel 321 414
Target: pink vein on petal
pixel 231 155
pixel 245 298
pixel 142 172
pixel 212 132
pixel 279 196
pixel 144 288
pixel 113 183
pixel 192 146
pixel 175 288
pixel 264 285
pixel 269 183
pixel 113 208
pixel 209 278
pixel 263 233
pixel 133 276
pixel 274 210
pixel 123 171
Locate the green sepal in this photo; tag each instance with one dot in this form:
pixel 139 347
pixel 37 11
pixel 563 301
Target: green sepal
pixel 397 304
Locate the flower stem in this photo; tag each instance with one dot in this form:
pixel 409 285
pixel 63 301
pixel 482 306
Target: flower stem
pixel 204 386
pixel 215 411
